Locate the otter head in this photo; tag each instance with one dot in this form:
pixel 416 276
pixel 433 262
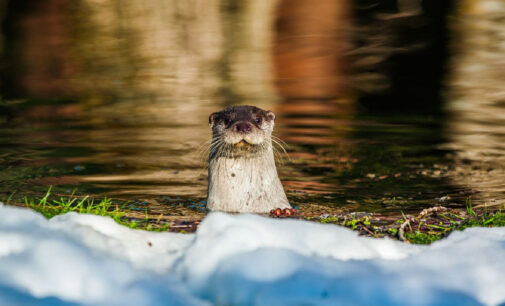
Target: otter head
pixel 240 131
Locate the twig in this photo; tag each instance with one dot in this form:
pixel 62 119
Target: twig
pixel 425 212
pixel 401 231
pixel 429 211
pixel 369 231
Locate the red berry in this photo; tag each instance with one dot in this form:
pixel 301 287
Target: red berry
pixel 287 212
pixel 293 211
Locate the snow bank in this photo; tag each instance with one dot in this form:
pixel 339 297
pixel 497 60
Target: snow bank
pixel 84 259
pixel 238 260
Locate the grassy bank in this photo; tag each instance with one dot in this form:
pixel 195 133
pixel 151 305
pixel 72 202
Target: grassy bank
pixel 428 226
pixel 51 206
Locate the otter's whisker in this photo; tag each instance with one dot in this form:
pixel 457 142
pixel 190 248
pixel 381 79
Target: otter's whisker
pixel 280 152
pixel 278 157
pixel 209 149
pixel 279 140
pixel 279 145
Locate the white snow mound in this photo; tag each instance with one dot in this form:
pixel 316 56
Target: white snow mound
pixel 76 259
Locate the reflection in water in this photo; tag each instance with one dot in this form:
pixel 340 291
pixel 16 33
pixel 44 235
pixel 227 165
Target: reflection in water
pixel 477 125
pixel 401 48
pixel 37 55
pixel 144 76
pixel 112 97
pixel 310 42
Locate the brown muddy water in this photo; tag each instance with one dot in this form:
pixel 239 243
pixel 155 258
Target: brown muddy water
pixel 384 108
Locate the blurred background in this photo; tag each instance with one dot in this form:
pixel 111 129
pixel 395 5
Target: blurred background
pixel 385 105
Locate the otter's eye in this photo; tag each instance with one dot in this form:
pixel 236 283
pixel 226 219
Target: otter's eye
pixel 227 121
pixel 258 120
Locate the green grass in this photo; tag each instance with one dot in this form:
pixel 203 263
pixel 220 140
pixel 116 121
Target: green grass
pixel 423 238
pixel 50 207
pixel 427 237
pixel 423 232
pixel 474 218
pixel 486 220
pixel 347 221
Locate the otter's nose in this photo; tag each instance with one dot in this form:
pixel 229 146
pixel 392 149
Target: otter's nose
pixel 243 127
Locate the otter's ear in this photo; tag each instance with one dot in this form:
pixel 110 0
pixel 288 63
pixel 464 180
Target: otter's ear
pixel 213 118
pixel 270 115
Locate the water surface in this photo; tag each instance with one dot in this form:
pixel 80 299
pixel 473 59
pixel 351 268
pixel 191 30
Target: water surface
pixel 112 99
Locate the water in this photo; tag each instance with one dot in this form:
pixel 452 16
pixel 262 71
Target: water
pixel 116 104
pixel 357 163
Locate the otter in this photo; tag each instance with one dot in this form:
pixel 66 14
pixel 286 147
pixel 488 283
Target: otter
pixel 242 173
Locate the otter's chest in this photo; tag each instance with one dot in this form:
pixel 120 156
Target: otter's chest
pixel 249 185
pixel 243 176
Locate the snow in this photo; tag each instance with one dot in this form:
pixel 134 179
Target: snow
pixel 77 259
